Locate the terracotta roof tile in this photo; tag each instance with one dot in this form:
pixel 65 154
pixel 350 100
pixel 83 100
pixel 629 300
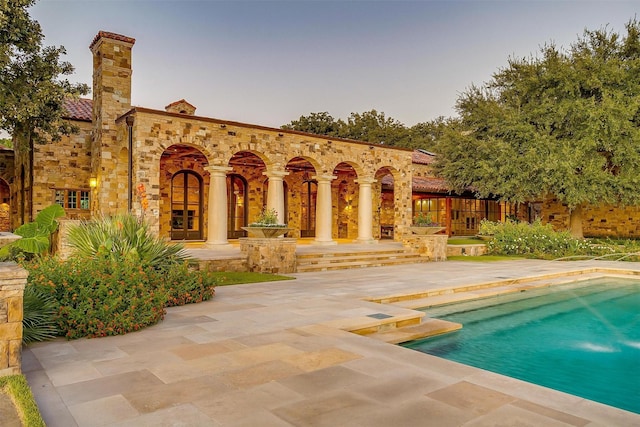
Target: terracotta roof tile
pixel 114 36
pixel 182 101
pixel 422 157
pixel 418 183
pixel 78 109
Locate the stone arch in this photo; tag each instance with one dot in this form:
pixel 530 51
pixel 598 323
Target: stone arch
pixel 250 166
pixel 345 197
pixel 5 206
pixel 302 195
pixel 175 159
pixel 386 203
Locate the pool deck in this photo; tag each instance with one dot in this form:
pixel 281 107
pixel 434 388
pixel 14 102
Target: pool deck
pixel 273 354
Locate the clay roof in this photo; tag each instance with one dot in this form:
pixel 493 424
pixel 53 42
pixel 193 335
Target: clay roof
pixel 182 101
pixel 113 36
pixel 422 157
pixel 418 183
pixel 78 109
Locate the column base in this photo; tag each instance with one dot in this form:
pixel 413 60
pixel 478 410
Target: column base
pixel 222 244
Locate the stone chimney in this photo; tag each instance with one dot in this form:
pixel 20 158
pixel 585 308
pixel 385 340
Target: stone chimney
pixel 111 98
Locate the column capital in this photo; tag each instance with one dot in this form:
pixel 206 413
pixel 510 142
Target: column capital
pixel 365 180
pixel 273 173
pixel 324 177
pixel 218 170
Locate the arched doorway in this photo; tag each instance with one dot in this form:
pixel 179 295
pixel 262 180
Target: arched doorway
pixel 186 206
pixel 184 183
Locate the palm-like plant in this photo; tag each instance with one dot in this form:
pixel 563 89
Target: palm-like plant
pixel 38 321
pixel 124 236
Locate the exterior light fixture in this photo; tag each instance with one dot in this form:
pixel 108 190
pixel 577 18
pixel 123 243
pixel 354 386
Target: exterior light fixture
pixel 93 182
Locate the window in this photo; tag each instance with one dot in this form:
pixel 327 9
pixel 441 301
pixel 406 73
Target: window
pixel 73 199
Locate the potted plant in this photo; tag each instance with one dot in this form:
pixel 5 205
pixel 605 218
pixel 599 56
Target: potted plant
pixel 266 225
pixel 423 224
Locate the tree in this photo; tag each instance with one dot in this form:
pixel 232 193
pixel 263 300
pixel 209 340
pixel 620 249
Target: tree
pixel 374 127
pixel 424 135
pixel 31 91
pixel 566 123
pixel 319 123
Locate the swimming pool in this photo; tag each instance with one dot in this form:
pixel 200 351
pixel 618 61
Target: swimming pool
pixel 582 338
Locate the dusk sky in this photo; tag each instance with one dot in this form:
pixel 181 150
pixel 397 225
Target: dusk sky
pixel 269 62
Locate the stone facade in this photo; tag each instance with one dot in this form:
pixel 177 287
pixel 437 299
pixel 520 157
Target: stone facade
pixel 12 282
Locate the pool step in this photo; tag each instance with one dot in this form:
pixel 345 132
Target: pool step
pixel 324 261
pixel 428 328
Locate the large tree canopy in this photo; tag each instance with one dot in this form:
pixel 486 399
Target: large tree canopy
pixel 31 90
pixel 371 126
pixel 565 123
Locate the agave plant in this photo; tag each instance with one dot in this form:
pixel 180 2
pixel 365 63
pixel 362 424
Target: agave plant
pixel 124 236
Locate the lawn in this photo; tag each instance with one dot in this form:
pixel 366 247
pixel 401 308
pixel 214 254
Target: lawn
pixel 225 278
pixel 15 391
pixel 484 258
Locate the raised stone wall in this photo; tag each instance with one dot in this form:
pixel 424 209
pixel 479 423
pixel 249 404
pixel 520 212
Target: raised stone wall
pixel 276 256
pixel 597 221
pixel 12 282
pixel 432 246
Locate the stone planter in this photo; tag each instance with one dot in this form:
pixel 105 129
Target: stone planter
pixel 415 229
pixel 267 232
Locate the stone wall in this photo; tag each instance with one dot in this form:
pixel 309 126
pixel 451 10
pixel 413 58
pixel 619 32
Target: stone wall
pixel 432 246
pixel 597 221
pixel 12 282
pixel 276 256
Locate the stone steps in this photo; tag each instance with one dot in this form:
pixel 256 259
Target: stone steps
pixel 396 328
pixel 346 260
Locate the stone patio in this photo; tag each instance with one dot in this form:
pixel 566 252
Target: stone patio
pixel 269 354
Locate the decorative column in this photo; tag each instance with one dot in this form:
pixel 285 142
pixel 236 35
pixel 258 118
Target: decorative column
pixel 324 212
pixel 217 215
pixel 365 211
pixel 275 194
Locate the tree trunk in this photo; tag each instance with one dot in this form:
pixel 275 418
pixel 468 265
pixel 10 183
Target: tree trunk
pixel 575 222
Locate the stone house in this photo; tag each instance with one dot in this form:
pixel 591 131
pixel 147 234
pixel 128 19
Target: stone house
pixel 203 179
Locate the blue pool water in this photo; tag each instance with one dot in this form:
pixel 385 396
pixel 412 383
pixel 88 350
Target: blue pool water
pixel 582 339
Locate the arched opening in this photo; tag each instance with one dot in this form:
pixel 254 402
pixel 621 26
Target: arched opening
pixel 246 195
pixel 384 206
pixel 183 185
pixel 5 203
pixel 346 191
pixel 186 206
pixel 302 197
pixel 237 198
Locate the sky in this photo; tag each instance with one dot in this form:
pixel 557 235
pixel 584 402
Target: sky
pixel 269 62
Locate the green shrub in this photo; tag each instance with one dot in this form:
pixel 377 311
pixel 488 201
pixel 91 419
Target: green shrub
pixel 38 322
pixel 538 240
pixel 122 237
pixel 100 296
pixel 185 286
